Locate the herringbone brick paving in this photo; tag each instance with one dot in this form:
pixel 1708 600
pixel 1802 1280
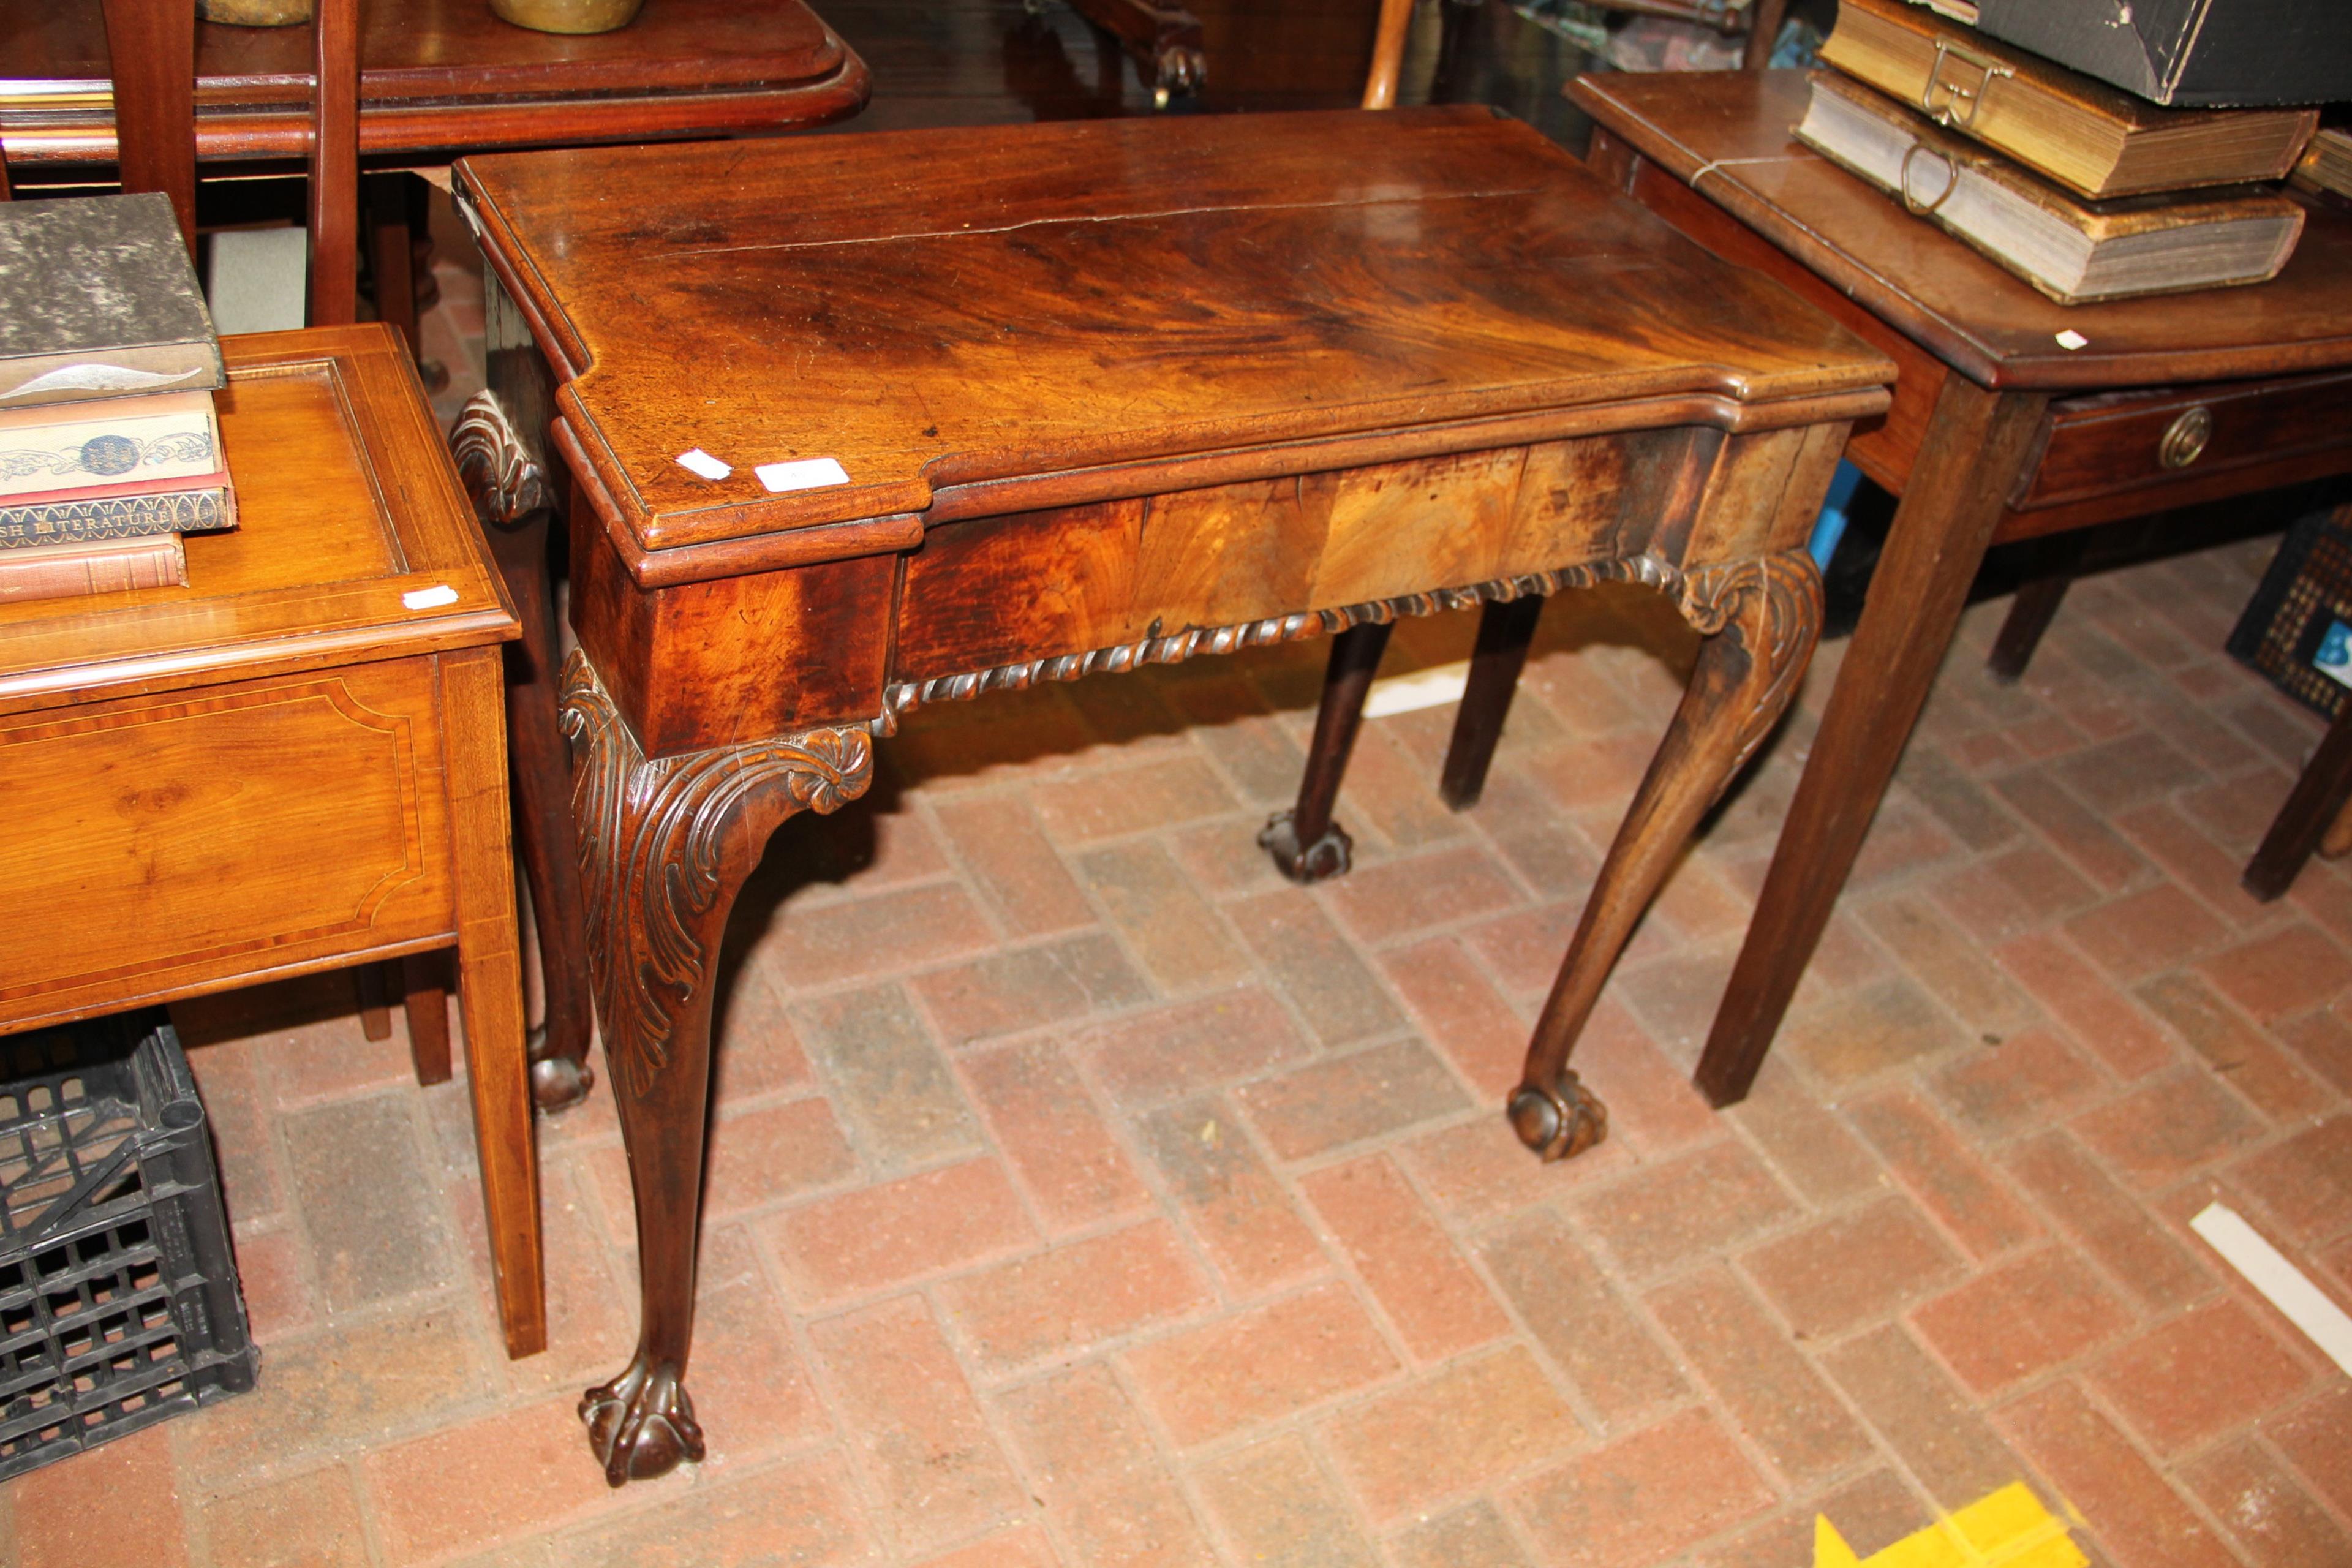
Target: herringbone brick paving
pixel 1082 1194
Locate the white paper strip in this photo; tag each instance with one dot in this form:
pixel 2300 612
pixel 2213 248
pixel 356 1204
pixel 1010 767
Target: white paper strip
pixel 429 598
pixel 703 463
pixel 808 474
pixel 2281 1282
pixel 1430 688
pixel 2071 339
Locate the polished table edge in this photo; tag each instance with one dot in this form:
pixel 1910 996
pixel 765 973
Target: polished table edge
pixel 594 470
pixel 439 130
pixel 2083 371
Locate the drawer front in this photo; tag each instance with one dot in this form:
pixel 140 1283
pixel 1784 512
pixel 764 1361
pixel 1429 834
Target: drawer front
pixel 2117 442
pixel 159 844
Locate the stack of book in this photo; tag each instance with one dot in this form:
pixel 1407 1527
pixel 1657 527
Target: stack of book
pixel 2085 192
pixel 110 450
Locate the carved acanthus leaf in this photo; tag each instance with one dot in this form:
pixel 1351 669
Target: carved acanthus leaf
pixel 493 463
pixel 1773 604
pixel 652 838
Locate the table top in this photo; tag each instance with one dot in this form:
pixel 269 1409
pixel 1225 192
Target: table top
pixel 985 320
pixel 444 74
pixel 1726 134
pixel 346 503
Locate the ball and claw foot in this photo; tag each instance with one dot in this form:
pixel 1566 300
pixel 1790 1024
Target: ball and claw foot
pixel 1558 1124
pixel 559 1083
pixel 641 1425
pixel 1328 856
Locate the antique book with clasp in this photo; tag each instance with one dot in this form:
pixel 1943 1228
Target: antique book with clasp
pixel 97 299
pixel 2082 134
pixel 2070 249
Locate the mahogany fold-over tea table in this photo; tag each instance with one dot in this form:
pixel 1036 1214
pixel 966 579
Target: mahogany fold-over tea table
pixel 1090 397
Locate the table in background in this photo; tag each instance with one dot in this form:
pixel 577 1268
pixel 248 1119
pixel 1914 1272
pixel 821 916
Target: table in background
pixel 1105 394
pixel 1999 431
pixel 438 78
pixel 283 766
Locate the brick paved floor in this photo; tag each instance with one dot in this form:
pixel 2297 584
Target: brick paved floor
pixel 1084 1194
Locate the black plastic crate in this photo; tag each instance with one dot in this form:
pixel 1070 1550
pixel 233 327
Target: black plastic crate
pixel 2294 623
pixel 119 1301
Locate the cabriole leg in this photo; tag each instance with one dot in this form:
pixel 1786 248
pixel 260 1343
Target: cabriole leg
pixel 1763 618
pixel 511 497
pixel 664 846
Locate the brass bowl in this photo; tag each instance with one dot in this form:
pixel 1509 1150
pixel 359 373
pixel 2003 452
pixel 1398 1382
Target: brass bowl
pixel 567 16
pixel 255 12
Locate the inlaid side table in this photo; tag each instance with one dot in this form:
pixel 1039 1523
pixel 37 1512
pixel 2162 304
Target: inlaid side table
pixel 2014 419
pixel 292 763
pixel 901 419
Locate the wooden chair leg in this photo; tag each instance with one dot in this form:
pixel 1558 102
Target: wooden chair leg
pixel 2317 799
pixel 377 984
pixel 1304 841
pixel 1505 630
pixel 1763 32
pixel 428 1016
pixel 391 254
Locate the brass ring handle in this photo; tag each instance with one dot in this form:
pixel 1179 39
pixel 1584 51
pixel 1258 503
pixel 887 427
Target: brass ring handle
pixel 2184 439
pixel 1902 179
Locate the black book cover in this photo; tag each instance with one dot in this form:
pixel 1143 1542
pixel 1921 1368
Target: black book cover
pixel 97 299
pixel 2239 54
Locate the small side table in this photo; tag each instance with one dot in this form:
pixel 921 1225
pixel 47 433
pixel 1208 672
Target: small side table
pixel 294 763
pixel 2003 428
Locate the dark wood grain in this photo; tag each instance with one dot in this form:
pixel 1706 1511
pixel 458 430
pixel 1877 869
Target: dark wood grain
pixel 335 192
pixel 151 42
pixel 1272 317
pixel 1976 318
pixel 438 75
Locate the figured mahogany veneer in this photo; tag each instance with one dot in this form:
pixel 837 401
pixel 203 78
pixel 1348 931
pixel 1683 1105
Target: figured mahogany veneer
pixel 444 75
pixel 1105 394
pixel 285 767
pixel 1998 431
